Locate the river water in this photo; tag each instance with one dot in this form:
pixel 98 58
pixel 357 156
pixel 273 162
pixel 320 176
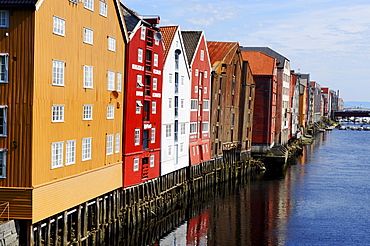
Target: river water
pixel 321 199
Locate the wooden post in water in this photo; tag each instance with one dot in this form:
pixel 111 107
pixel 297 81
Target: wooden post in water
pixel 65 228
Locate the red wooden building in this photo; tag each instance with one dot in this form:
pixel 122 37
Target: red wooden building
pixel 200 65
pixel 143 99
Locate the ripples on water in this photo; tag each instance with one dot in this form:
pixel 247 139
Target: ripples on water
pixel 322 200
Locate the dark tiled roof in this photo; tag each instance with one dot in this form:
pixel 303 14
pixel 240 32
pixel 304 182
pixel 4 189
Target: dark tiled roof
pixel 168 34
pixel 17 3
pixel 218 51
pixel 268 51
pixel 131 17
pixel 191 41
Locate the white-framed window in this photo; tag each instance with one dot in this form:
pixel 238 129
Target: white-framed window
pixel 3 120
pixel 170 78
pixel 86 148
pixel 182 128
pixel 111 75
pixel 196 89
pixel 143 33
pixel 206 105
pixel 155 63
pixel 181 147
pixel 137 137
pixel 202 55
pixel 59 26
pixel 139 55
pixel 169 150
pixel 155 84
pixel 89 4
pixel 196 72
pixel 87 112
pixel 182 103
pixel 138 107
pixel 169 102
pixel 194 104
pixel 88 76
pixel 58 73
pixel 139 81
pixel 118 143
pixel 3 153
pixel 205 74
pixel 152 160
pixel 136 164
pixel 152 137
pixel 154 107
pixel 57 113
pixel 205 126
pixel 70 152
pixel 119 82
pixel 109 144
pixel 57 154
pixel 110 112
pixel 182 80
pixel 4 18
pixel 88 36
pixel 112 44
pixel 168 130
pixel 205 90
pixel 4 59
pixel 193 127
pixel 103 8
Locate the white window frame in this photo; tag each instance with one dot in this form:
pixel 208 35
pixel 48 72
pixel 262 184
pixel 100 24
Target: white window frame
pixel 182 103
pixel 181 147
pixel 57 113
pixel 118 143
pixel 57 155
pixel 155 84
pixel 154 107
pixel 205 105
pixel 152 136
pixel 110 80
pixel 103 11
pixel 3 153
pixel 193 128
pixel 205 126
pixel 155 58
pixel 140 53
pixel 182 129
pixel 136 164
pixel 168 130
pixel 196 72
pixel 169 149
pixel 137 137
pixel 138 107
pixel 202 55
pixel 139 81
pixel 89 4
pixel 4 63
pixel 169 102
pixel 143 33
pixel 170 78
pixel 3 120
pixel 194 105
pixel 88 36
pixel 86 148
pixel 112 44
pixel 70 152
pixel 110 112
pixel 151 161
pixel 205 74
pixel 119 82
pixel 59 26
pixel 182 81
pixel 58 73
pixel 87 112
pixel 88 77
pixel 109 144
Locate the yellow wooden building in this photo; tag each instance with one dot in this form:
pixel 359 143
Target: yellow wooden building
pixel 61 95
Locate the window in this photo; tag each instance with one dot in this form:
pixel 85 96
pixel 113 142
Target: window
pixel 59 26
pixel 152 137
pixel 182 126
pixel 110 144
pixel 138 106
pixel 205 127
pixel 206 105
pixel 205 74
pixel 155 60
pixel 143 33
pixel 182 103
pixel 182 81
pixel 196 89
pixel 194 104
pixel 110 112
pixel 139 81
pixel 88 77
pixel 151 160
pixel 181 147
pixel 111 76
pixel 170 150
pixel 154 107
pixel 170 79
pixel 89 4
pixel 155 84
pixel 103 8
pixel 137 136
pixel 87 112
pixel 169 102
pixel 168 131
pixel 58 73
pixel 3 163
pixel 88 36
pixel 56 155
pixel 136 164
pixel 3 117
pixel 139 55
pixel 57 113
pixel 118 143
pixel 86 149
pixel 112 44
pixel 4 58
pixel 119 82
pixel 196 72
pixel 205 90
pixel 70 152
pixel 193 128
pixel 202 55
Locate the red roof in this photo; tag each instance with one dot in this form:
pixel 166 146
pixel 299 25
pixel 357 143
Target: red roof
pixel 218 50
pixel 168 34
pixel 260 63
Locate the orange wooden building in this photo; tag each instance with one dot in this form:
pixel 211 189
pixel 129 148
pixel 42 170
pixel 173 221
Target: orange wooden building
pixel 62 66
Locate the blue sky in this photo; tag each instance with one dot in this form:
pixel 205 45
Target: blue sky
pixel 329 39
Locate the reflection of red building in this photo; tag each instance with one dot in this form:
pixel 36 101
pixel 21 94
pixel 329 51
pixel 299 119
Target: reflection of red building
pixel 198 59
pixel 142 107
pixel 198 230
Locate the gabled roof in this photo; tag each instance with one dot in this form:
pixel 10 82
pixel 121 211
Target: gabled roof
pixel 218 51
pixel 168 34
pixel 18 3
pixel 191 42
pixel 260 63
pixel 131 17
pixel 268 51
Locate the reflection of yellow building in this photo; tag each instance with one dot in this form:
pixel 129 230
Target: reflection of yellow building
pixel 65 61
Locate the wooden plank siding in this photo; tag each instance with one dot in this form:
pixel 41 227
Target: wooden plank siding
pixel 20 204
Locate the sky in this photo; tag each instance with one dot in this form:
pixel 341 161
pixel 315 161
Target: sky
pixel 328 39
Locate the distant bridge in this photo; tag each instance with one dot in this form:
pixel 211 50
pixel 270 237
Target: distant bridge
pixel 352 113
